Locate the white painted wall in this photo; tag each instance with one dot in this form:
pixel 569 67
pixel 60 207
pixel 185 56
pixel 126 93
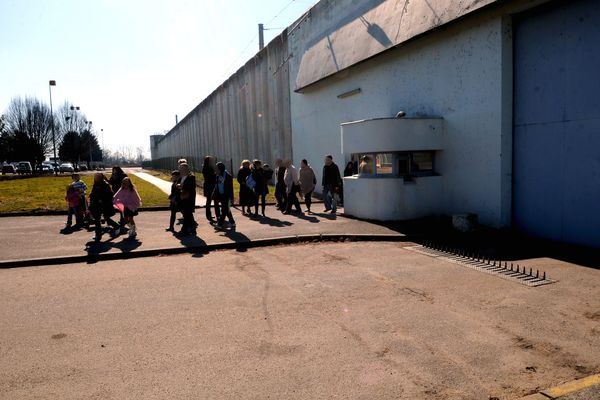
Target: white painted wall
pixel 386 199
pixel 456 73
pixel 391 134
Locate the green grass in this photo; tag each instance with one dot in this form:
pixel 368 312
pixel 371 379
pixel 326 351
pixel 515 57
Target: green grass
pixel 47 193
pixel 150 194
pixel 166 175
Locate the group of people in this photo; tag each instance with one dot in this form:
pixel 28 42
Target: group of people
pixel 118 194
pixel 254 179
pixel 108 197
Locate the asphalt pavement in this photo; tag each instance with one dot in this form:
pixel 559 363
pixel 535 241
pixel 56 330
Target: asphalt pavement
pixel 309 321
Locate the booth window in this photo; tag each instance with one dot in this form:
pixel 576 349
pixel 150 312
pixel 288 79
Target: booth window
pixel 406 164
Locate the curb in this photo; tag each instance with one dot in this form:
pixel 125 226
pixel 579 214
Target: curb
pixel 204 249
pixel 566 389
pixel 42 213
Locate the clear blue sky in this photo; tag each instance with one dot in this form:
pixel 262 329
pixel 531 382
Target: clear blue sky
pixel 131 65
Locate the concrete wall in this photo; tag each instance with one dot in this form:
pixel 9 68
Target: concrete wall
pixel 337 34
pixel 388 198
pixel 459 73
pixel 248 116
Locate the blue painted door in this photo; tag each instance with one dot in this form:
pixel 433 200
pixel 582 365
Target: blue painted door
pixel 556 147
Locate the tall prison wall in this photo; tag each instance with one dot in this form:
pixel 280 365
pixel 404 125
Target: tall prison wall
pixel 247 117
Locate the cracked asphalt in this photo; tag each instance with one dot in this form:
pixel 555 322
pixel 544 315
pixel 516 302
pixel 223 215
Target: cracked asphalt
pixel 311 321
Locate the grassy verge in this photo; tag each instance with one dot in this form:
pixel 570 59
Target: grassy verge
pixel 47 193
pixel 166 175
pixel 150 194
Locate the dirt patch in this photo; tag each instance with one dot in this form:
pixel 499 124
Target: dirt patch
pixel 59 336
pixel 593 316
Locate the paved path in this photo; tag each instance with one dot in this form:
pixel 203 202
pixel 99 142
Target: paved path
pixel 161 184
pixel 40 237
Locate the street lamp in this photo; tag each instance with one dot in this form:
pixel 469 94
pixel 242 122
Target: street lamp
pixel 90 142
pixel 50 84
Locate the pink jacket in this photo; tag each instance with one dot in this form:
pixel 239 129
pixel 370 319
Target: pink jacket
pixel 129 198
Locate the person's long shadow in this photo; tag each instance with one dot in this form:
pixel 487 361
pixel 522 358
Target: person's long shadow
pixel 126 245
pixel 266 220
pixel 327 215
pixel 190 241
pixel 306 217
pixel 237 237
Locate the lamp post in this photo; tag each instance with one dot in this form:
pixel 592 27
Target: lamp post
pixel 50 84
pixel 90 143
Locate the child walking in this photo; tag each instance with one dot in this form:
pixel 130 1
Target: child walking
pixel 81 187
pixel 127 200
pixel 73 200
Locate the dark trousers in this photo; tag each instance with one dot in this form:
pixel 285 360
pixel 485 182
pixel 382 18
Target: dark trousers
pixel 308 199
pixel 189 223
pixel 226 212
pixel 292 200
pixel 109 221
pixel 263 202
pixel 215 205
pixel 280 196
pixel 174 210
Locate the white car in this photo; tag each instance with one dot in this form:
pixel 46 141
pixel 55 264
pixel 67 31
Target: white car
pixel 66 167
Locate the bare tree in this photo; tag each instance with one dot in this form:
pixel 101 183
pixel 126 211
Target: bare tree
pixel 32 118
pixel 69 119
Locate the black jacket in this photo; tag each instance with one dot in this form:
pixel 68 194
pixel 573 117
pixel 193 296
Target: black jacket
pixel 331 176
pixel 260 177
pixel 101 199
pixel 188 192
pixel 210 180
pixel 116 181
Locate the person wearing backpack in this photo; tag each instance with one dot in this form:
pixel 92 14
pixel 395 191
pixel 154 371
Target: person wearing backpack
pixel 246 194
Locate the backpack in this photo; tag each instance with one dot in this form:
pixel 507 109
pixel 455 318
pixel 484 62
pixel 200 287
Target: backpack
pixel 250 182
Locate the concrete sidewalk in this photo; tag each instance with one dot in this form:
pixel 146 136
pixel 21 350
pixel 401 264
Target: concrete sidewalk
pixel 162 184
pixel 26 240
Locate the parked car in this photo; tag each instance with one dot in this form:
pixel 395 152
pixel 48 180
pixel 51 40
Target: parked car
pixel 46 168
pixel 66 167
pixel 8 169
pixel 24 167
pixel 83 167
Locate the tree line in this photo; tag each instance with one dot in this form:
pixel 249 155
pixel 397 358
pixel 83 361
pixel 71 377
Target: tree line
pixel 26 133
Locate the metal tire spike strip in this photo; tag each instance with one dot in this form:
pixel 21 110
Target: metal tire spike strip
pixel 479 262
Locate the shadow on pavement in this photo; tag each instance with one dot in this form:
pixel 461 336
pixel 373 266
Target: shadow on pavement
pixel 271 221
pixel 125 245
pixel 501 244
pixel 311 219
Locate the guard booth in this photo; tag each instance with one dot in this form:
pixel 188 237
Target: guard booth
pixel 397 178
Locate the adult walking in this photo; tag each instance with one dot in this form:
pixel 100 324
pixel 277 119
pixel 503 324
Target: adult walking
pixel 292 187
pixel 187 199
pixel 308 180
pixel 331 182
pixel 246 193
pixel 101 205
pixel 210 181
pixel 280 190
pixel 116 178
pixel 224 191
pixel 261 188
